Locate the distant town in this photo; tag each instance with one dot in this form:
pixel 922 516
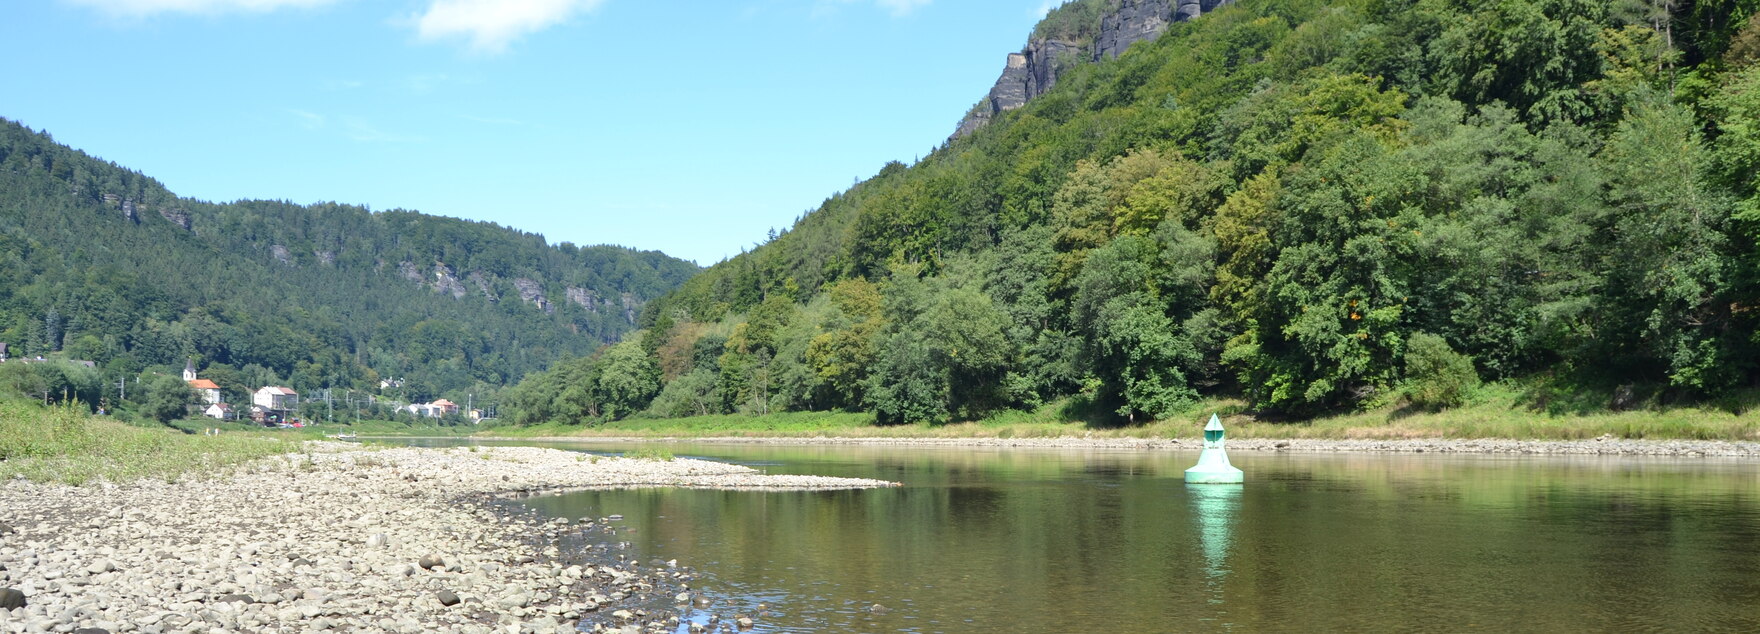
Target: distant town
pixel 270 405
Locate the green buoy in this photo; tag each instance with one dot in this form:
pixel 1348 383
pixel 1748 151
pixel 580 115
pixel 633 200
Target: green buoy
pixel 1213 466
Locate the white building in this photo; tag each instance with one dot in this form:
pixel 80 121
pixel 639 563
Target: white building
pixel 271 397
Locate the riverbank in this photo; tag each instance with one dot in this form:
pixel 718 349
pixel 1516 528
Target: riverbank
pixel 1604 446
pixel 1502 414
pixel 342 538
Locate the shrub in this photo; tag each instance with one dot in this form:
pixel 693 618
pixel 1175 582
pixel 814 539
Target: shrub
pixel 1436 375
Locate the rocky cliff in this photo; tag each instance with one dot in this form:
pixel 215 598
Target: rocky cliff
pixel 1137 20
pixel 1034 69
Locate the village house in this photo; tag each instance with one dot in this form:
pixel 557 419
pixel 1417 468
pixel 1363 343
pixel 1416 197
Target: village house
pixel 275 398
pixel 219 411
pixel 209 390
pixel 435 409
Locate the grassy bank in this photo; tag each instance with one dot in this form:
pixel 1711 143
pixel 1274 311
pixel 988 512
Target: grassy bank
pixel 66 444
pixel 1495 412
pixel 319 431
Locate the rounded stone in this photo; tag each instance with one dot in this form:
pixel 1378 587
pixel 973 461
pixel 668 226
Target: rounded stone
pixel 11 599
pixel 447 598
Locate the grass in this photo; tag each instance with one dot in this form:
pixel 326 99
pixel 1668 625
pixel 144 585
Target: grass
pixel 317 431
pixel 1495 411
pixel 649 453
pixel 66 444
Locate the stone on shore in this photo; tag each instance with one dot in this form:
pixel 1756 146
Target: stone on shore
pixel 11 599
pixel 339 538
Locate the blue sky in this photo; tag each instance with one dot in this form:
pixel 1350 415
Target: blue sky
pixel 688 127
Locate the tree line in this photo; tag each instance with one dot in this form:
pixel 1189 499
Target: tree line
pixel 1314 206
pixel 104 264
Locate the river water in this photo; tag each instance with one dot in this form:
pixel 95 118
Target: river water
pixel 1016 540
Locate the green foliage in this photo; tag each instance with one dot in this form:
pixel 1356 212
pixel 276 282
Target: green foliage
pixel 103 264
pixel 66 444
pixel 649 453
pixel 167 398
pixel 1314 207
pixel 1435 375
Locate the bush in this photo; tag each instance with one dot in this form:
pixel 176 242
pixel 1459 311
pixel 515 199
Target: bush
pixel 1436 375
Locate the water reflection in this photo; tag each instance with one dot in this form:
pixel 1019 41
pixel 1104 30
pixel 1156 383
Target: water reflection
pixel 1059 541
pixel 1214 507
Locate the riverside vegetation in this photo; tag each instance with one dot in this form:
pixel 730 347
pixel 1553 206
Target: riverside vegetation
pixel 1361 211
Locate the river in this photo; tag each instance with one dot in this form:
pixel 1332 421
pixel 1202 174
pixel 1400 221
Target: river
pixel 991 540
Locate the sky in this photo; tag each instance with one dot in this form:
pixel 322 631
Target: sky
pixel 692 128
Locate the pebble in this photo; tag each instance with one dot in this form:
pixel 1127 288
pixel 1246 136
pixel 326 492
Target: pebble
pixel 277 545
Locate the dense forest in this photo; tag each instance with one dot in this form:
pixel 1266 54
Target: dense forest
pixel 103 264
pixel 1315 206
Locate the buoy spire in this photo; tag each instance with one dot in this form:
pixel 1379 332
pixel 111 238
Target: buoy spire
pixel 1213 466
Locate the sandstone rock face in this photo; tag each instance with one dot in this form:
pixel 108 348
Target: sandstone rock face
pixel 281 254
pixel 409 271
pixel 483 286
pixel 1033 71
pixel 632 307
pixel 1134 21
pixel 530 291
pixel 327 257
pixel 586 298
pixel 446 281
pixel 1026 75
pixel 177 217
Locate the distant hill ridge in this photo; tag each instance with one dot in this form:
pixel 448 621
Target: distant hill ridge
pixel 101 262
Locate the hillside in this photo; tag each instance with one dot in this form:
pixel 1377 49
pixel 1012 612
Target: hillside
pixel 101 263
pixel 1314 206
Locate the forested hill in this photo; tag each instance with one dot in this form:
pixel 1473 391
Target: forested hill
pixel 1312 205
pixel 101 263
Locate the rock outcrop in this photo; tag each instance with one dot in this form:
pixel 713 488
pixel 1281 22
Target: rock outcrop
pixel 530 291
pixel 177 217
pixel 483 286
pixel 446 281
pixel 1034 69
pixel 281 254
pixel 1137 20
pixel 584 297
pixel 1026 75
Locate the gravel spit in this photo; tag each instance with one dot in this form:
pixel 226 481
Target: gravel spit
pixel 344 539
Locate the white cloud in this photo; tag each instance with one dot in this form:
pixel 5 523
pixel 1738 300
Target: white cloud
pixel 901 7
pixel 142 8
pixel 359 129
pixel 307 120
pixel 490 25
pixel 898 8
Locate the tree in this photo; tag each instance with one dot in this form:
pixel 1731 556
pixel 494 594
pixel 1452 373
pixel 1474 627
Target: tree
pixel 629 378
pixel 167 398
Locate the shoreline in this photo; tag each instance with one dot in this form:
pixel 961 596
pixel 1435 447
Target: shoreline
pixel 1603 446
pixel 350 539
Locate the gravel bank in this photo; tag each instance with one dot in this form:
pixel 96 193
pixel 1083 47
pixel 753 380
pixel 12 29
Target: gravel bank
pixel 1605 446
pixel 345 539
